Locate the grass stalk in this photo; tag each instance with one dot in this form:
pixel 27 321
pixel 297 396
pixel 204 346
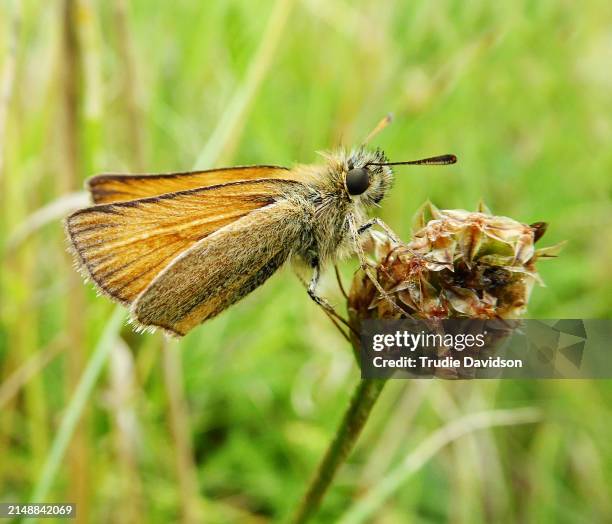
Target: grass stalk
pixel 71 88
pixel 129 84
pixel 20 271
pixel 226 135
pixel 123 386
pixel 437 440
pixel 13 383
pixel 180 429
pixel 77 404
pixel 7 82
pixel 134 507
pixel 7 188
pixel 26 340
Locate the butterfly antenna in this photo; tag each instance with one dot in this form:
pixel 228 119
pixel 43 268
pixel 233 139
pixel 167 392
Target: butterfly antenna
pixel 379 127
pixel 431 161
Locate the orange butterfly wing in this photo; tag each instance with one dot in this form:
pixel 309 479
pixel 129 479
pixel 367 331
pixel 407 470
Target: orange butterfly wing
pixel 220 269
pixel 122 246
pixel 109 188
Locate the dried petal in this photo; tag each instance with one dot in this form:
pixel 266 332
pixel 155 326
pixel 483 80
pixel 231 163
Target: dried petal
pixel 524 248
pixel 550 251
pixel 539 228
pixel 471 242
pixel 420 219
pixel 482 208
pixel 435 212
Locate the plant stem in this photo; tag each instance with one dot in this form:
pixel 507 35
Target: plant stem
pixel 365 396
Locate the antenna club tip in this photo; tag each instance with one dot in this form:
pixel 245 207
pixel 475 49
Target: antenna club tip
pixel 452 159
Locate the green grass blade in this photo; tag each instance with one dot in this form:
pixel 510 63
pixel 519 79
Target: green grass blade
pixel 77 404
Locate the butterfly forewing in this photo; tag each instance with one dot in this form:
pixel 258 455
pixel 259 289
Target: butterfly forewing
pixel 220 269
pixel 124 245
pixel 115 188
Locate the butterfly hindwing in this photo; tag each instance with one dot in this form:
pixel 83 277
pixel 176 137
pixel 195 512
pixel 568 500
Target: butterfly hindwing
pixel 220 269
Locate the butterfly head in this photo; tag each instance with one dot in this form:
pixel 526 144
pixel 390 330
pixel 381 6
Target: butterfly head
pixel 367 175
pixel 358 178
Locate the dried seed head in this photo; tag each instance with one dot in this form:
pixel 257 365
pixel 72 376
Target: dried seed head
pixel 459 264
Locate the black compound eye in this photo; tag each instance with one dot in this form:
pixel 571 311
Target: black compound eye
pixel 357 181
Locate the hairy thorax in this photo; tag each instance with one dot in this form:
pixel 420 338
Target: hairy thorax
pixel 325 222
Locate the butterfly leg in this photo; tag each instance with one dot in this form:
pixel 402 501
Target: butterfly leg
pixel 386 229
pixel 378 222
pixel 320 301
pixel 339 280
pixel 365 266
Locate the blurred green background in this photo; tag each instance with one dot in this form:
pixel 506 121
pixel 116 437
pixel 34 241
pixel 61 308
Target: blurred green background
pixel 229 424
